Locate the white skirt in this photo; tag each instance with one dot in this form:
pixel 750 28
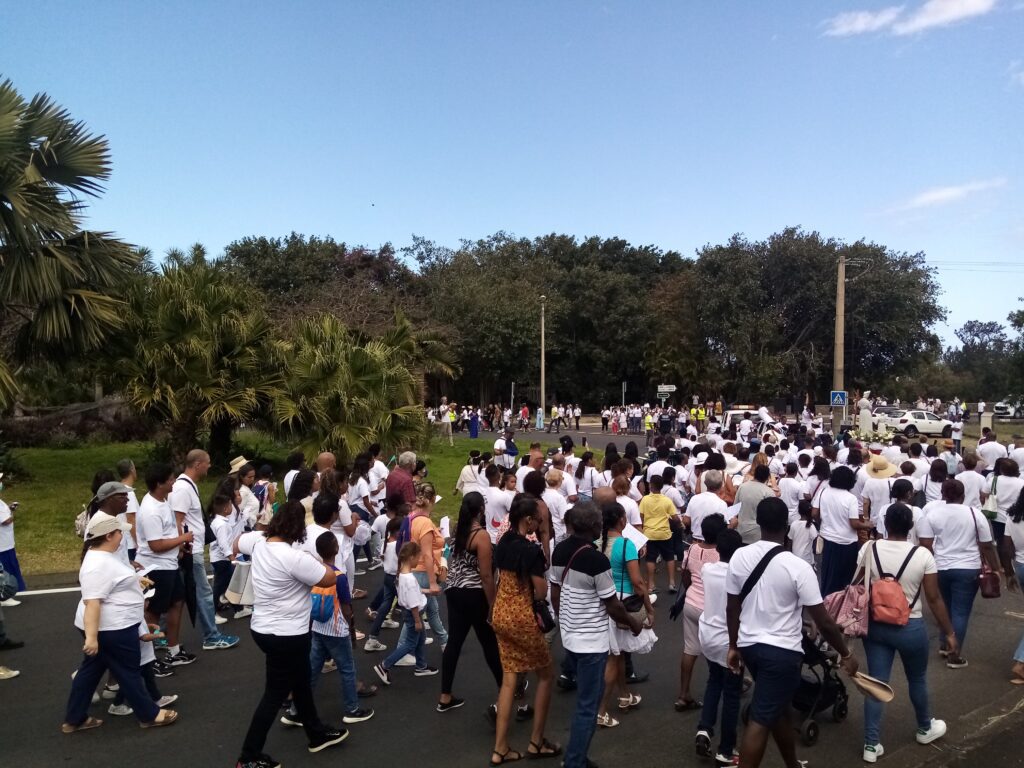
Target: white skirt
pixel 624 641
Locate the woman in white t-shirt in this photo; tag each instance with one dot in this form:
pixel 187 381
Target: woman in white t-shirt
pixel 1012 551
pixel 838 513
pixel 586 476
pixel 914 568
pixel 282 576
pixel 108 616
pixel 1006 485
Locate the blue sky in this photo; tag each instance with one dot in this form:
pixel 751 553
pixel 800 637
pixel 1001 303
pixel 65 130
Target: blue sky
pixel 675 124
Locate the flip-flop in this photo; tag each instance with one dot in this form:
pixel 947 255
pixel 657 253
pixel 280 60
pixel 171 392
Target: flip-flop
pixel 687 705
pixel 1017 681
pixel 553 750
pixel 164 717
pixel 88 724
pixel 506 757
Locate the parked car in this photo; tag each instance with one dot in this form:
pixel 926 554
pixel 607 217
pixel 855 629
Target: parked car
pixel 1008 409
pixel 915 422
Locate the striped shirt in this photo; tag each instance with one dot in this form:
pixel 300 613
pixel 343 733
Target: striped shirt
pixel 582 617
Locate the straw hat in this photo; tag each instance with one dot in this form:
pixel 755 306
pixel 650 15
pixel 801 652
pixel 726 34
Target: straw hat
pixel 880 468
pixel 873 687
pixel 236 464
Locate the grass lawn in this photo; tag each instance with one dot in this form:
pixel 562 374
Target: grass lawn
pixel 45 522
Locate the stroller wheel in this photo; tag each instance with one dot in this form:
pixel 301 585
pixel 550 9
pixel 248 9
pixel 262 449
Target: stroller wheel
pixel 809 733
pixel 840 710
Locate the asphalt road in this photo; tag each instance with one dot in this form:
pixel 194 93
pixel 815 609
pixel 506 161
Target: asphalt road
pixel 219 692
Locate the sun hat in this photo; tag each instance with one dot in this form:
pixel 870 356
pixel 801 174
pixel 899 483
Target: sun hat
pixel 107 490
pixel 236 464
pixel 873 687
pixel 880 468
pixel 947 443
pixel 101 524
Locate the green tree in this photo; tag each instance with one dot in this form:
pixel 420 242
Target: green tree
pixel 59 285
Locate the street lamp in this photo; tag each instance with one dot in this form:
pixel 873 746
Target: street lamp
pixel 542 408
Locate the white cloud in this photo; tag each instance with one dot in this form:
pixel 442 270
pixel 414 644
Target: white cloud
pixel 943 195
pixel 860 22
pixel 941 13
pixel 931 14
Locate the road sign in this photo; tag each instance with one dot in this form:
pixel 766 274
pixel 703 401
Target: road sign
pixel 837 399
pixel 666 388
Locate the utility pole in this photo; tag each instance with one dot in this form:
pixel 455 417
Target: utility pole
pixel 839 347
pixel 543 409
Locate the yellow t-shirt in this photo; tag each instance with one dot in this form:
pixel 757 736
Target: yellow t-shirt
pixel 655 509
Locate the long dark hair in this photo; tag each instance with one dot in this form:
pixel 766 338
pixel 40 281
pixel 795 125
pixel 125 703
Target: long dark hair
pixel 610 516
pixel 1016 511
pixel 289 523
pixel 225 487
pixel 302 485
pixel 471 511
pixel 360 468
pixel 581 468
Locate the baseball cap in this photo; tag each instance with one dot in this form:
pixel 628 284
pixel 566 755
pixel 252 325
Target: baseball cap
pixel 111 489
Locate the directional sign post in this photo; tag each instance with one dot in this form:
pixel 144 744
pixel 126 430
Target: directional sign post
pixel 666 389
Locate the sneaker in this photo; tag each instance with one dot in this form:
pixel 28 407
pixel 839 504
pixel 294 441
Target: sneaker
pixel 872 753
pixel 166 701
pixel 121 710
pixel 390 624
pixel 935 731
pixel 425 671
pixel 428 641
pixel 359 572
pixel 247 611
pixel 180 659
pixel 956 662
pixel 453 704
pixel 110 691
pixel 383 674
pixel 6 673
pixel 723 761
pixel 406 661
pixel 263 761
pixel 329 666
pixel 703 743
pixel 375 565
pixel 361 559
pixel 328 739
pixel 220 643
pixel 218 619
pixel 162 670
pixel 360 636
pixel 357 716
pixel 11 603
pixel 373 644
pixel 291 719
pixel 566 683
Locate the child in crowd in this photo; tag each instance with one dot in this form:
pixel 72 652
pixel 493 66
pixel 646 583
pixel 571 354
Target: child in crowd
pixel 381 606
pixel 221 555
pixel 333 629
pixel 147 634
pixel 722 684
pixel 803 533
pixel 412 598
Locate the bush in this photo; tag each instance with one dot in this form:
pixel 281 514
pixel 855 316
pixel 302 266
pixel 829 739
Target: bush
pixel 10 466
pixel 64 439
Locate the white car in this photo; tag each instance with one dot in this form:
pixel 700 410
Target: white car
pixel 1007 409
pixel 916 422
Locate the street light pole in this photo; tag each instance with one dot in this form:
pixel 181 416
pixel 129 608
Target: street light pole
pixel 543 410
pixel 839 347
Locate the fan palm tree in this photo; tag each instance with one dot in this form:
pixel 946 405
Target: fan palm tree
pixel 58 284
pixel 425 352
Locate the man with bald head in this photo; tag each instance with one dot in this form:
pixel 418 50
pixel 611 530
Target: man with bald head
pixel 535 464
pixel 325 461
pixel 188 511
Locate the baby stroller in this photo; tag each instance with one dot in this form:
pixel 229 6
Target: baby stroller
pixel 820 689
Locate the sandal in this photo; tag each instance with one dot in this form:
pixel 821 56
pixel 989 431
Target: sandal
pixel 505 757
pixel 687 705
pixel 544 750
pixel 87 724
pixel 606 721
pixel 625 702
pixel 164 717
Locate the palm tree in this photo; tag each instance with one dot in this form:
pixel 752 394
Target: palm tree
pixel 425 352
pixel 58 284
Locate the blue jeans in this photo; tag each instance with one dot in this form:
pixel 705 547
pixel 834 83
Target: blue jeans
pixel 1018 655
pixel 118 652
pixel 204 599
pixel 881 645
pixel 433 612
pixel 722 684
pixel 410 641
pixel 589 690
pixel 958 587
pixel 339 649
pixel 382 603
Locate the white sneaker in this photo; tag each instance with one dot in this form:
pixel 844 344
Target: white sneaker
pixel 428 641
pixel 247 611
pixel 220 619
pixel 6 673
pixel 373 644
pixel 166 701
pixel 406 661
pixel 10 603
pixel 120 710
pixel 390 624
pixel 872 753
pixel 936 731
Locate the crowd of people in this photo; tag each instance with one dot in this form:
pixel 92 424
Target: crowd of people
pixel 743 531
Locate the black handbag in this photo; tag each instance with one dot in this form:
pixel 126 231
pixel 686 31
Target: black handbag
pixel 542 615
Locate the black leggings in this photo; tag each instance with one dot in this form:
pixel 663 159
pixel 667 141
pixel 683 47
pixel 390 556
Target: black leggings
pixel 468 609
pixel 287 658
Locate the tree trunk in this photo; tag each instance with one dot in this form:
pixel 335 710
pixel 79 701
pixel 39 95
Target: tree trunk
pixel 219 446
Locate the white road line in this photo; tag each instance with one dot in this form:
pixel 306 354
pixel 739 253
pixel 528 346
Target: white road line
pixel 60 591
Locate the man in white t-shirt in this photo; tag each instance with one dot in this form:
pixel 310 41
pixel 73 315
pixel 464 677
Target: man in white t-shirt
pixel 990 449
pixel 976 487
pixel 705 503
pixel 188 511
pixel 502 456
pixel 535 464
pixel 128 476
pixel 765 616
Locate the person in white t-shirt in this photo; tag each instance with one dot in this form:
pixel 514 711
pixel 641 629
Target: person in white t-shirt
pixel 224 526
pixel 876 493
pixel 839 513
pixel 498 501
pixel 282 575
pixel 959 537
pixel 791 490
pixel 990 449
pixel 976 488
pixel 556 503
pixel 621 487
pixel 128 476
pixel 914 569
pixel 295 462
pixel 764 619
pixel 705 503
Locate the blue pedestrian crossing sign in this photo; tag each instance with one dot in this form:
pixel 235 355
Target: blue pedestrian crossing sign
pixel 837 399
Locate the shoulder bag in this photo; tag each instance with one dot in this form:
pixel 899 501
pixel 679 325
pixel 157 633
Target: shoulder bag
pixel 848 607
pixel 634 603
pixel 988 580
pixel 991 506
